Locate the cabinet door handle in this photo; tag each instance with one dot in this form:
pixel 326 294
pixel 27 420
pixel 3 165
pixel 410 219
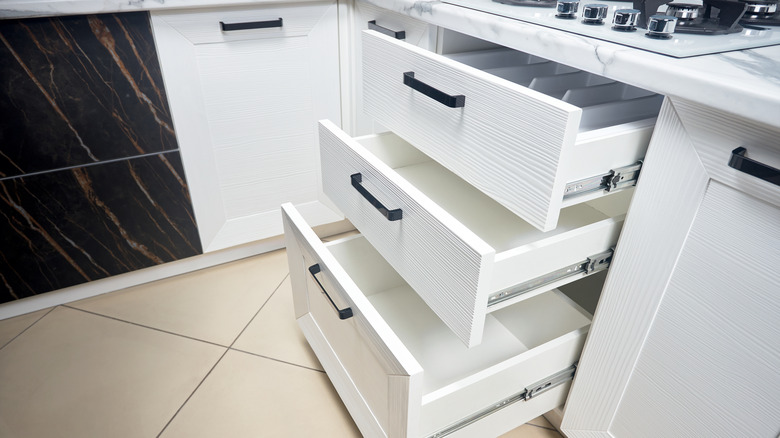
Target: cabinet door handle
pixel 752 167
pixel 344 313
pixel 397 34
pixel 391 215
pixel 437 95
pixel 226 27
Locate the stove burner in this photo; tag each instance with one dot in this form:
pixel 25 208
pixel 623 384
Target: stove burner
pixel 762 12
pixel 714 17
pixel 683 11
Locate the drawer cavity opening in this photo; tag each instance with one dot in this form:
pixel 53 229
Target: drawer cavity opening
pixel 604 102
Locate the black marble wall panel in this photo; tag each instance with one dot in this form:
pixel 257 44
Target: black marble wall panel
pixel 58 229
pixel 79 89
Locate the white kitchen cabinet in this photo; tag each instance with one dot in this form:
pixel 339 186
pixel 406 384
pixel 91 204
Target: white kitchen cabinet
pixel 245 105
pixel 686 337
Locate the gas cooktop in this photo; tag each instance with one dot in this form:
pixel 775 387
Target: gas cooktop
pixel 675 29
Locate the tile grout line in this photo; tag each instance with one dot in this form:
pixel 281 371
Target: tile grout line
pixel 277 360
pixel 144 326
pixel 258 310
pixel 220 358
pixel 193 392
pixel 28 327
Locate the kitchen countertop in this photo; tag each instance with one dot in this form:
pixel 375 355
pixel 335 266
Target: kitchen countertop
pixel 746 83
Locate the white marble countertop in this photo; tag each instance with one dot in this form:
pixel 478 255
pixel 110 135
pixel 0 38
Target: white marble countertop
pixel 746 83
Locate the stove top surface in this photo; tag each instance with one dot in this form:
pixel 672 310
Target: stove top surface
pixel 680 45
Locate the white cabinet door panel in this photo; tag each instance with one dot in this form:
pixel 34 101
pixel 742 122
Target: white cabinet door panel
pixel 245 104
pixel 714 346
pixel 686 334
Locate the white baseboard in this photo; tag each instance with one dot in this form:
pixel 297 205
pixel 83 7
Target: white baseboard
pixel 153 273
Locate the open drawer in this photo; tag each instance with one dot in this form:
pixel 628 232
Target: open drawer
pixel 534 135
pixel 464 254
pixel 401 372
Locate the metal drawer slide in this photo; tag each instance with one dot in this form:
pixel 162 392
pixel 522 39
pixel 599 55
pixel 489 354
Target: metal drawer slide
pixel 526 394
pixel 615 179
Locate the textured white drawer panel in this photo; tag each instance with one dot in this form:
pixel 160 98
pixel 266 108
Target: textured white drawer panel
pixel 455 246
pixel 401 371
pixel 202 26
pixel 526 128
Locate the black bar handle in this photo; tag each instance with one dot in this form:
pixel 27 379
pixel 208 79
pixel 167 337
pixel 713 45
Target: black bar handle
pixel 391 215
pixel 226 27
pixel 397 34
pixel 437 95
pixel 343 313
pixel 752 167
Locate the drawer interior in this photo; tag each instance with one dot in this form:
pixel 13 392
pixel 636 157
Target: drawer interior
pixel 509 332
pixel 604 102
pixel 489 220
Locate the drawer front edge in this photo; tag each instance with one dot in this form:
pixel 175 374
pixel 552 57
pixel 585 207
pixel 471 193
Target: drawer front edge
pixel 375 343
pixel 450 273
pixel 506 140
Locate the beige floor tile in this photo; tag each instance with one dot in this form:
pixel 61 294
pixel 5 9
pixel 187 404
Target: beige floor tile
pixel 274 332
pixel 531 431
pixel 74 374
pixel 11 327
pixel 212 304
pixel 541 421
pixel 250 396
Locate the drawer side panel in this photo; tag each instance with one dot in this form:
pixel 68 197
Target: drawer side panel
pixel 506 140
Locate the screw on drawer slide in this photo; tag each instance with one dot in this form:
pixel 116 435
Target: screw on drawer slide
pixel 594 263
pixel 526 394
pixel 615 179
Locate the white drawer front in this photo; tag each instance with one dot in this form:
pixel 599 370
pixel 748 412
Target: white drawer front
pixel 453 245
pixel 371 365
pixel 202 26
pixel 518 145
pixel 400 370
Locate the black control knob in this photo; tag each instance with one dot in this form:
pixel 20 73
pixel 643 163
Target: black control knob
pixel 594 13
pixel 625 20
pixel 661 26
pixel 567 9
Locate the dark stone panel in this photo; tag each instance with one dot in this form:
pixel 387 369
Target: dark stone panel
pixel 79 89
pixel 62 228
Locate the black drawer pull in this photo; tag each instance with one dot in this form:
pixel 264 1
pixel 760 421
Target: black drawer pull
pixel 397 34
pixel 437 95
pixel 343 313
pixel 391 215
pixel 752 167
pixel 226 27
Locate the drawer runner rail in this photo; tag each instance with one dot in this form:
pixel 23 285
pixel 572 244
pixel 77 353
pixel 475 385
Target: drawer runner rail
pixel 615 179
pixel 526 394
pixel 594 263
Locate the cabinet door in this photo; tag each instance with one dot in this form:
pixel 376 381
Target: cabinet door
pixel 685 338
pixel 245 104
